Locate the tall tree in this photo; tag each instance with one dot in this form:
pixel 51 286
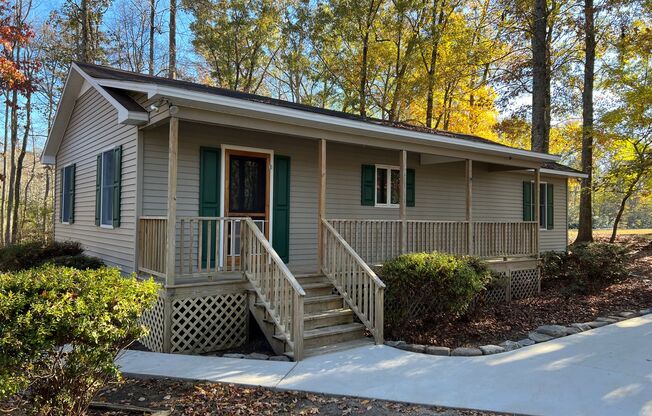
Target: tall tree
pixel 541 76
pixel 585 232
pixel 152 31
pixel 172 47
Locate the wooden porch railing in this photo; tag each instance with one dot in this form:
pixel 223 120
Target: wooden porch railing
pixel 361 289
pixel 505 239
pixel 151 245
pixel 379 240
pixel 276 287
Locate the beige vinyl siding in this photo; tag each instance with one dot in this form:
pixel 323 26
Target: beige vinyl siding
pixel 94 128
pixel 440 188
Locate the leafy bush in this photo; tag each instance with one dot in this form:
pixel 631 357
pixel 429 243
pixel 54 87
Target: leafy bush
pixel 587 266
pixel 79 261
pixel 61 329
pixel 431 285
pixel 25 256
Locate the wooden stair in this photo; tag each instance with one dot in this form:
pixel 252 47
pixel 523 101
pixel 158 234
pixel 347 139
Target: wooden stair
pixel 329 325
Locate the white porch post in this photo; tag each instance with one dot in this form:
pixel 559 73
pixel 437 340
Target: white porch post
pixel 170 246
pixel 321 201
pixel 537 208
pixel 403 201
pixel 469 206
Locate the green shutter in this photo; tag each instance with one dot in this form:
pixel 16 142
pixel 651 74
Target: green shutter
pixel 550 208
pixel 209 195
pixel 117 184
pixel 368 184
pixel 410 187
pixel 73 168
pixel 61 194
pixel 527 201
pixel 281 209
pixel 98 188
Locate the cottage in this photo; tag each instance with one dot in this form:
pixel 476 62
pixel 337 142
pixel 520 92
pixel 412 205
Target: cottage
pixel 239 203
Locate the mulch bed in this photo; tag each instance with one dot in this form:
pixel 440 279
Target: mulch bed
pixel 189 398
pixel 495 323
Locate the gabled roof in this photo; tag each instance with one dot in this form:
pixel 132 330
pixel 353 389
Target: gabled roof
pixel 115 85
pixel 562 170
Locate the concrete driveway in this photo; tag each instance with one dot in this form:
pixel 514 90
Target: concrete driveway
pixel 605 371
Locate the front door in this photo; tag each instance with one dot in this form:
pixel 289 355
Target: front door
pixel 247 186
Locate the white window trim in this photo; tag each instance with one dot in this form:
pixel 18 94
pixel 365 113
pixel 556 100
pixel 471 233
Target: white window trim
pixel 63 197
pixel 389 169
pixel 105 226
pixel 545 211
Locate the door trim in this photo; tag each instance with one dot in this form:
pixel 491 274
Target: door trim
pixel 270 175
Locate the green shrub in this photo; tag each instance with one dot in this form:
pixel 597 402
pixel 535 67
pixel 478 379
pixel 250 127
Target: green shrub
pixel 79 261
pixel 25 256
pixel 60 331
pixel 431 285
pixel 586 267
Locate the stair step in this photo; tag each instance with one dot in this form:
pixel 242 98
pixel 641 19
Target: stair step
pixel 327 318
pixel 327 349
pixel 311 278
pixel 322 303
pixel 318 289
pixel 329 335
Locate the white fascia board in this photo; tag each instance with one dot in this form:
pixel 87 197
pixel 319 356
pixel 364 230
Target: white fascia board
pixel 554 172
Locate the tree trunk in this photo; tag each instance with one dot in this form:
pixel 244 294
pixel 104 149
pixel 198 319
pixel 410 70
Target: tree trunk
pixel 85 31
pixel 585 232
pixel 152 15
pixel 363 75
pixel 172 70
pixel 12 171
pixel 4 168
pixel 19 169
pixel 46 204
pixel 435 34
pixel 540 79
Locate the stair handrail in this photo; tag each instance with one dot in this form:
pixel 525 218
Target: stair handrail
pixel 353 279
pixel 276 287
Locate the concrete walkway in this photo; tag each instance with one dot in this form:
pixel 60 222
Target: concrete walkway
pixel 605 371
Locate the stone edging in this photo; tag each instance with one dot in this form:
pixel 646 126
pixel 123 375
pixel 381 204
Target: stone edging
pixel 541 334
pixel 257 356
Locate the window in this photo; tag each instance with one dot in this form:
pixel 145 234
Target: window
pixel 107 188
pixel 68 194
pixel 388 186
pixel 546 204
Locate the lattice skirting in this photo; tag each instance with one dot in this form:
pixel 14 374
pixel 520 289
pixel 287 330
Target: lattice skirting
pixel 514 284
pixel 197 323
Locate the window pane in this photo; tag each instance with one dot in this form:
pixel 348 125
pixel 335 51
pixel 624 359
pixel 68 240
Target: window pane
pixel 107 188
pixel 396 185
pixel 381 186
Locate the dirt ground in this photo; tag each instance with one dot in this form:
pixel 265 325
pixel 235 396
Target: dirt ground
pixel 188 398
pixel 495 323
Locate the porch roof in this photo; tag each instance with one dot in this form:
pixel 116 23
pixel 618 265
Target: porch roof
pixel 115 85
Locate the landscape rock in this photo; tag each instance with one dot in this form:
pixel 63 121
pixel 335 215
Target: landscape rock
pixel 597 324
pixel 616 318
pixel 570 330
pixel 511 345
pixel 525 342
pixel 606 319
pixel 434 350
pixel 466 352
pixel 416 348
pixel 581 326
pixel 491 349
pixel 554 331
pixel 645 311
pixel 539 337
pixel 257 356
pixel 279 358
pixel 628 314
pixel 233 355
pixel 394 344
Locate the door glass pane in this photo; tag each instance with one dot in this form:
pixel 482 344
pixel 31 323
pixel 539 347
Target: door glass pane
pixel 107 188
pixel 381 186
pixel 395 186
pixel 247 184
pixel 543 195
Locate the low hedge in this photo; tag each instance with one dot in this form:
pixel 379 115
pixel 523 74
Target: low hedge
pixel 586 267
pixel 24 256
pixel 431 286
pixel 61 330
